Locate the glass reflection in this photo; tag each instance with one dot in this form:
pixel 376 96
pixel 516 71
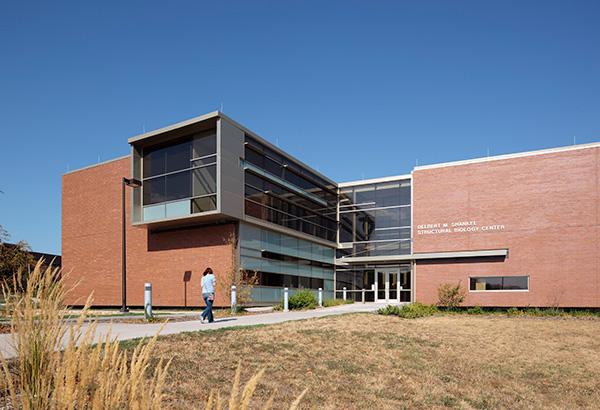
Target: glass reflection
pixel 375 219
pixel 186 169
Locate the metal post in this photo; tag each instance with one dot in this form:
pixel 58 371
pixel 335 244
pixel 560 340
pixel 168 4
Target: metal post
pixel 344 292
pixel 320 296
pixel 134 183
pixel 286 296
pixel 363 296
pixel 233 299
pixel 124 308
pixel 148 299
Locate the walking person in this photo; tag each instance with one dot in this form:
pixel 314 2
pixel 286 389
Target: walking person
pixel 208 294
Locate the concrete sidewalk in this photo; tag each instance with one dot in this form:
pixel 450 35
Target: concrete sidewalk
pixel 124 331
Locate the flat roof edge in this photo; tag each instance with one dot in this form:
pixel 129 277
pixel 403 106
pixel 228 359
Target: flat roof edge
pixel 509 156
pixel 218 114
pixel 374 180
pixel 98 164
pixel 174 126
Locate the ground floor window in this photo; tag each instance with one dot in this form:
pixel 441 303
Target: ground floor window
pixel 288 281
pixel 504 283
pixel 379 282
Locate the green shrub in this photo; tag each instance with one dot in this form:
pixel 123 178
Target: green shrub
pixel 389 310
pixel 303 299
pixel 475 310
pixel 409 311
pixel 417 309
pixel 537 312
pixel 513 311
pixel 450 297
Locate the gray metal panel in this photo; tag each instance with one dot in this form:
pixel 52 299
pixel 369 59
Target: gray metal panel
pixel 136 193
pixel 230 156
pixel 232 204
pixel 234 133
pixel 231 182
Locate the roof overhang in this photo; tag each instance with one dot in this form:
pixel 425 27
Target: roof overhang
pixel 182 129
pixel 372 260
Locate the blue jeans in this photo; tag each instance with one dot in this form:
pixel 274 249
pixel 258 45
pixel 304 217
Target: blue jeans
pixel 208 311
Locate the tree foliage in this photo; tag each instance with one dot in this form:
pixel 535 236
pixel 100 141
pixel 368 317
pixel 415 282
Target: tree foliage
pixel 13 257
pixel 244 280
pixel 451 296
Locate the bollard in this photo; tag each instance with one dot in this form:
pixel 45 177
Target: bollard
pixel 286 295
pixel 363 296
pixel 344 293
pixel 148 300
pixel 320 296
pixel 233 300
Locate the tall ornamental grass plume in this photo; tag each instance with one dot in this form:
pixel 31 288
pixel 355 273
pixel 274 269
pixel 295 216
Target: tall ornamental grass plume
pixel 58 366
pixel 241 400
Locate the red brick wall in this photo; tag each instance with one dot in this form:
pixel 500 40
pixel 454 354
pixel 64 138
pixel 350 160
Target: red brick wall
pixel 549 205
pixel 91 246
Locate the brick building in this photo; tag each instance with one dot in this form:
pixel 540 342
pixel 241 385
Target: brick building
pixel 516 230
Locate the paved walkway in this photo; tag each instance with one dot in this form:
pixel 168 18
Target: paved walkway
pixel 124 331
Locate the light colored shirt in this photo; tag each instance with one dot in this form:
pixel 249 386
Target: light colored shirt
pixel 208 283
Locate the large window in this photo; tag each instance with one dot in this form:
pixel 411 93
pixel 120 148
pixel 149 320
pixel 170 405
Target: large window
pixel 280 191
pixel 281 260
pixel 375 219
pixel 502 283
pixel 180 179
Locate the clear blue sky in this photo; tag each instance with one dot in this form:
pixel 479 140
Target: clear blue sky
pixel 352 88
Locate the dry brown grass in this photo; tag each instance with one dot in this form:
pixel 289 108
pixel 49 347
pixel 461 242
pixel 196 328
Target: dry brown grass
pixel 240 398
pixel 57 366
pixel 366 361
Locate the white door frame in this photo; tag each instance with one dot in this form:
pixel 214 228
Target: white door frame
pixel 386 285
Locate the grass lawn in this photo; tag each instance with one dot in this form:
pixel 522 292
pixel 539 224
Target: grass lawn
pixel 368 361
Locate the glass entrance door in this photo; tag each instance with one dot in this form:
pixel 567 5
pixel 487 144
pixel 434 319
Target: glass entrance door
pixel 387 286
pixel 393 285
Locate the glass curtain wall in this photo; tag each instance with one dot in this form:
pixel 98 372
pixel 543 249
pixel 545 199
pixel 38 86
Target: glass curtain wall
pixel 284 261
pixel 355 279
pixel 280 191
pixel 375 221
pixel 180 178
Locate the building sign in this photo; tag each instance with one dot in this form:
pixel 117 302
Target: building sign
pixel 456 227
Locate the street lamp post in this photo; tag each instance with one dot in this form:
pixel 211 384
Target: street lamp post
pixel 133 183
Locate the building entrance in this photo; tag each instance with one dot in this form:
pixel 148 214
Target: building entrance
pixel 393 285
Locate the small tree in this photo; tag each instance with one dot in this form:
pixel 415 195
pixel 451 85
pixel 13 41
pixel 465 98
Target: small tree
pixel 243 280
pixel 555 299
pixel 13 257
pixel 450 296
